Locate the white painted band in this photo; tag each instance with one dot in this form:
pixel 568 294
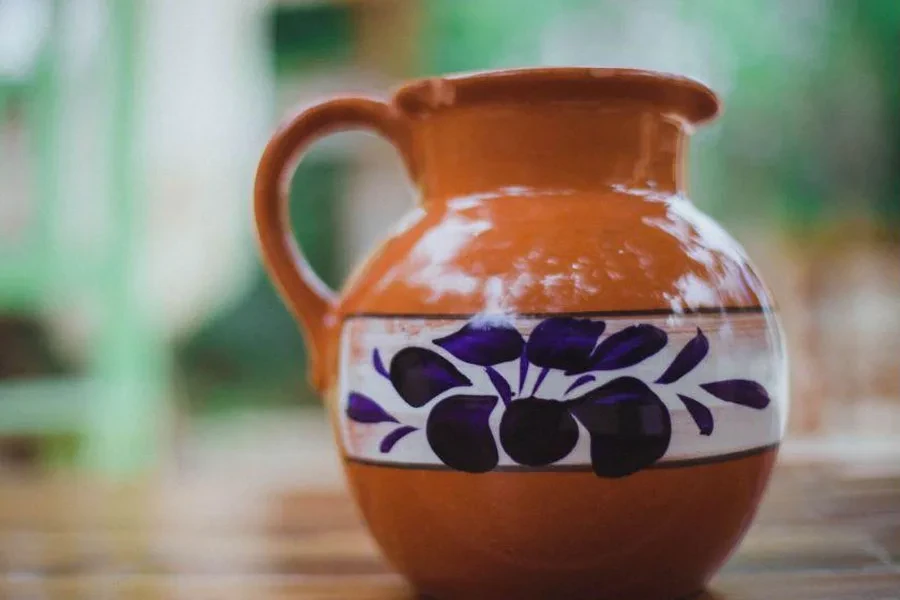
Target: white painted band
pixel 742 346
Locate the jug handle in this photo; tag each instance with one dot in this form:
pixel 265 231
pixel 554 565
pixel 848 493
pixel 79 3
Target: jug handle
pixel 311 302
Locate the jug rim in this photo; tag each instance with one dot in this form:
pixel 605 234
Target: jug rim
pixel 686 97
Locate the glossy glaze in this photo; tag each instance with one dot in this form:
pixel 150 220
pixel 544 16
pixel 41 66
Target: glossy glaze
pixel 543 193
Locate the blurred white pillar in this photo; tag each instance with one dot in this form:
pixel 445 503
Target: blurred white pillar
pixel 206 94
pixel 204 110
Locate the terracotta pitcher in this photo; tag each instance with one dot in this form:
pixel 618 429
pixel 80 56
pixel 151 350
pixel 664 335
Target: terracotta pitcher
pixel 556 378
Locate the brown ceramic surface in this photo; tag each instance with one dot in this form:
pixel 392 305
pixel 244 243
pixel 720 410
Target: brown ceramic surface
pixel 548 535
pixel 544 193
pixel 534 141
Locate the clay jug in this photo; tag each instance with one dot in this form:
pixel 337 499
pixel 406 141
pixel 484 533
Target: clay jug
pixel 556 378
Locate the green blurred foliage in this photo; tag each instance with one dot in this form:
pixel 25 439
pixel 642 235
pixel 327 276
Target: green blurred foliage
pixel 254 353
pixel 306 35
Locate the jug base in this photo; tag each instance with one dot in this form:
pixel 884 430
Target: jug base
pixel 697 593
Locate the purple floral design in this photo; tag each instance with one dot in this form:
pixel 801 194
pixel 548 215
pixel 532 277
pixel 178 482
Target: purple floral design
pixel 629 425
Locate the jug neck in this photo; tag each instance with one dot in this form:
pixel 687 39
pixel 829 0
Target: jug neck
pixel 556 146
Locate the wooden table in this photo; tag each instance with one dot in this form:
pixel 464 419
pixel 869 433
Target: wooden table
pixel 823 532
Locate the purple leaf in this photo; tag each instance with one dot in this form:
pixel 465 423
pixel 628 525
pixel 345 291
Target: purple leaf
pixel 626 348
pixel 387 444
pixel 459 433
pixel 484 343
pixel 379 366
pixel 564 343
pixel 580 382
pixel 537 432
pixel 541 376
pixel 523 370
pixel 630 427
pixel 500 383
pixel 701 414
pixel 363 409
pixel 419 375
pixel 739 391
pixel 689 357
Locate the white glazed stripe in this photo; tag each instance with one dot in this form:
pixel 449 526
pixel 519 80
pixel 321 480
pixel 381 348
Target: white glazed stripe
pixel 741 346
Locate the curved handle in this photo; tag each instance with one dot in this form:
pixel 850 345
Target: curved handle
pixel 308 298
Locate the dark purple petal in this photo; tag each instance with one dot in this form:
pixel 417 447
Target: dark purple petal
pixel 537 432
pixel 580 382
pixel 485 343
pixel 564 343
pixel 541 376
pixel 702 415
pixel 459 433
pixel 363 409
pixel 629 425
pixel 523 370
pixel 419 375
pixel 387 444
pixel 500 383
pixel 379 366
pixel 739 391
pixel 627 347
pixel 689 357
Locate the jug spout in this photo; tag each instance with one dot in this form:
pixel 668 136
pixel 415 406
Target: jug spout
pixel 565 129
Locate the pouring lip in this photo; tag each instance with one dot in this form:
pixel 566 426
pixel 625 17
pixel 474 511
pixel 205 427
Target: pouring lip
pixel 683 96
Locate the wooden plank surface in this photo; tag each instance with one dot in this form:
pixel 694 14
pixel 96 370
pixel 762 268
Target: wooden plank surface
pixel 823 532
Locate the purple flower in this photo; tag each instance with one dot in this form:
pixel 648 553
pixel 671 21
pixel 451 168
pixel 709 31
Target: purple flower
pixel 537 432
pixel 459 433
pixel 629 425
pixel 484 342
pixel 419 375
pixel 689 357
pixel 625 348
pixel 391 439
pixel 564 343
pixel 362 409
pixel 739 391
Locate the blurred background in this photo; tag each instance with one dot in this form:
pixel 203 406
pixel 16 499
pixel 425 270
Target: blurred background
pixel 137 329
